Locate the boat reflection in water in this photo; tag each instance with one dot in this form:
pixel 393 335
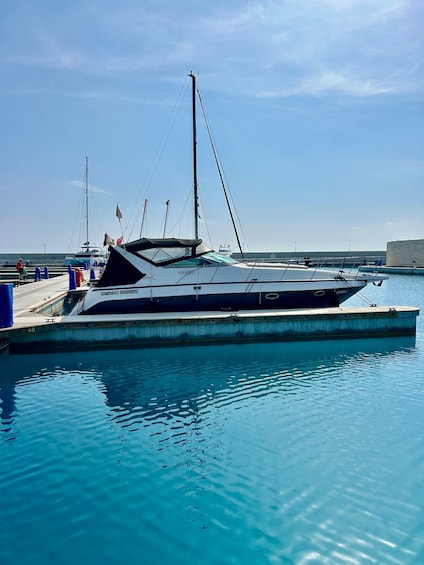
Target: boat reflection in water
pixel 141 387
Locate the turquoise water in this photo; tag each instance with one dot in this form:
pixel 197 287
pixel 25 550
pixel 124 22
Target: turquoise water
pixel 304 453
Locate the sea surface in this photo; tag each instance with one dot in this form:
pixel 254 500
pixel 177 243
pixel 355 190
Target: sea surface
pixel 279 453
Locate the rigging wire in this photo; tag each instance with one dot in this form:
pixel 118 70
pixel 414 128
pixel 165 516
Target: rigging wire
pixel 365 298
pixel 158 154
pixel 205 220
pixel 217 161
pixel 78 236
pixel 157 157
pixel 359 292
pixel 176 226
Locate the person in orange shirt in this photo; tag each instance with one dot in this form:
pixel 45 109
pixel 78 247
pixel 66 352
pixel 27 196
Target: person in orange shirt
pixel 20 269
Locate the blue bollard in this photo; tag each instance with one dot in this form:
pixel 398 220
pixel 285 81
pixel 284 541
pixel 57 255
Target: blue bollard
pixel 37 274
pixel 72 280
pixel 69 269
pixel 6 305
pixel 86 266
pixel 92 275
pixel 46 272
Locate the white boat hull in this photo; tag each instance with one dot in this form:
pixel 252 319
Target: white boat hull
pixel 206 281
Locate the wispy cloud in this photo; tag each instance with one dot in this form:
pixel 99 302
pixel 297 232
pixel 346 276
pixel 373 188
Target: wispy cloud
pixel 92 188
pixel 356 47
pixel 49 52
pixel 269 48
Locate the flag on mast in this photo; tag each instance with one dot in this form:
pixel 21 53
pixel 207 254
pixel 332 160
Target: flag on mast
pixel 118 213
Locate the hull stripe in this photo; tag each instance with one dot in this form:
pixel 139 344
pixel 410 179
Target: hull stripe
pixel 216 302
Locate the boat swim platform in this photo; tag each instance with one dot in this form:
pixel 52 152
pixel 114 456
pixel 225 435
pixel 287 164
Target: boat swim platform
pixel 36 329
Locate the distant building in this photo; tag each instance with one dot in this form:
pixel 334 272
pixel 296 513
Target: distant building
pixel 408 253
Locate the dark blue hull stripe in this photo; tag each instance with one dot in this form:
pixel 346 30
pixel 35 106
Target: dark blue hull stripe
pixel 216 302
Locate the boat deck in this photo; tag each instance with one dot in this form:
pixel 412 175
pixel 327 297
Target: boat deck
pixel 39 332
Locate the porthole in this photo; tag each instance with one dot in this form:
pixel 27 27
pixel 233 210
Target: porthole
pixel 319 293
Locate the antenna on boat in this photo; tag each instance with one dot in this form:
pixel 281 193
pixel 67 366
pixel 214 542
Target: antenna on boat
pixel 87 242
pixel 195 186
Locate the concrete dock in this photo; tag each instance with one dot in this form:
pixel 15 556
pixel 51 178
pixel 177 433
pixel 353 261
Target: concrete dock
pixel 37 328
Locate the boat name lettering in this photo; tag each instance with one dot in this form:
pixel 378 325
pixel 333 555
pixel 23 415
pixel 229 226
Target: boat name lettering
pixel 185 272
pixel 126 291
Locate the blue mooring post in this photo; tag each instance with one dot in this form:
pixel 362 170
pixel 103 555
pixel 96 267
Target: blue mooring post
pixel 86 266
pixel 72 280
pixel 37 274
pixel 46 272
pixel 6 305
pixel 92 275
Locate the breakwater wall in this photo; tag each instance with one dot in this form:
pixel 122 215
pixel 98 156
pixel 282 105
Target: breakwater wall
pixel 33 259
pixel 408 253
pixel 315 258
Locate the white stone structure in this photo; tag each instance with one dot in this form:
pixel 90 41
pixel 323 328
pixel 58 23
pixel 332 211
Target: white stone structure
pixel 408 253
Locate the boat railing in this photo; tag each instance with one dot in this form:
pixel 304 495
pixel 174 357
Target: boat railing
pixel 322 261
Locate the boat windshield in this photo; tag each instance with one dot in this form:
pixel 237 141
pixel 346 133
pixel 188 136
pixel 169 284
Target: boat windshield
pixel 159 255
pixel 210 259
pixel 165 253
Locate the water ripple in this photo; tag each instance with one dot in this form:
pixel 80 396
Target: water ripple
pixel 267 453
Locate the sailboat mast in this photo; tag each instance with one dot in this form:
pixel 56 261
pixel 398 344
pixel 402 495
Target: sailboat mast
pixel 195 186
pixel 166 218
pixel 144 216
pixel 86 203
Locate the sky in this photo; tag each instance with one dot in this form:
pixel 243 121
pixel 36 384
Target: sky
pixel 315 108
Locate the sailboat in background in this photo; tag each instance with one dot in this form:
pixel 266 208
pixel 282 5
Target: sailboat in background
pixel 88 255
